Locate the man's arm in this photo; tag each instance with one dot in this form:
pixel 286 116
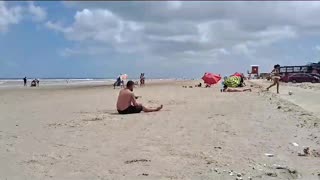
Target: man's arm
pixel 133 100
pixel 272 71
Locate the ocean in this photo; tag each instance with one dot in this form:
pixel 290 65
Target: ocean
pixel 15 82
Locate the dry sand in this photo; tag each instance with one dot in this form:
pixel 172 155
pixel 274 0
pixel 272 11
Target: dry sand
pixel 306 95
pixel 75 133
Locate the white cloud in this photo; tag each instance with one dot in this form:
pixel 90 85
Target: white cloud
pixel 9 16
pixel 38 13
pixel 202 32
pixel 251 14
pixel 97 25
pixel 104 28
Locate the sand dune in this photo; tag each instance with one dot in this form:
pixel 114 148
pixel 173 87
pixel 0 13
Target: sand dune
pixel 75 133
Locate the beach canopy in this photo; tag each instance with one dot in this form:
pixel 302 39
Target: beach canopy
pixel 237 74
pixel 210 78
pixel 233 81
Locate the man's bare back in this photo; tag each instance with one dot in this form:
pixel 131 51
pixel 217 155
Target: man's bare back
pixel 126 98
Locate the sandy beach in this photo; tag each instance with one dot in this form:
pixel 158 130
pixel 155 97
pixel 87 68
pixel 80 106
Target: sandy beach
pixel 75 133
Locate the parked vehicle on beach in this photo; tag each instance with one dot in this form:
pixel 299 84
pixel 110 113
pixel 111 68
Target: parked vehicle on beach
pixel 284 78
pixel 311 68
pixel 300 77
pixel 316 75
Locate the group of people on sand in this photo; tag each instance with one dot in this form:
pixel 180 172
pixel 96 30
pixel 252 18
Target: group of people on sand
pixel 34 83
pixel 275 76
pixel 120 81
pixel 200 85
pixel 127 101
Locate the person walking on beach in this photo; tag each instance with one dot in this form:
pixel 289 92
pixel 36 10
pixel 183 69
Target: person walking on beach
pixel 275 74
pixel 127 103
pixel 25 81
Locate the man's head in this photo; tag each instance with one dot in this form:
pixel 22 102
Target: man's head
pixel 130 85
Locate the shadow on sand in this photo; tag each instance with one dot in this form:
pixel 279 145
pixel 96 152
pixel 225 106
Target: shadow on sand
pixel 114 113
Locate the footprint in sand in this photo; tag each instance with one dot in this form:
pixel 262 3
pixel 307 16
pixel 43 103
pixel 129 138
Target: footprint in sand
pixel 93 119
pixel 137 161
pixel 83 112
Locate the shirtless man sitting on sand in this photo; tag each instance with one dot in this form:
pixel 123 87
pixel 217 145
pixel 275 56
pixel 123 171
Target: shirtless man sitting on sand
pixel 227 89
pixel 127 103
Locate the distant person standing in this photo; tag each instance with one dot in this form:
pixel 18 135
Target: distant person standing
pixel 25 81
pixel 38 82
pixel 121 81
pixel 142 79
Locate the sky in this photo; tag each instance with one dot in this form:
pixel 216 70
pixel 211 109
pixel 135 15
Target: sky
pixel 164 39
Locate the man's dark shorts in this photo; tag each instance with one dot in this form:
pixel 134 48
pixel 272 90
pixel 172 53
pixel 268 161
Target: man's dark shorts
pixel 131 110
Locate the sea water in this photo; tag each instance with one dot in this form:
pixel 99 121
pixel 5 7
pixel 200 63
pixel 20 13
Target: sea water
pixel 58 81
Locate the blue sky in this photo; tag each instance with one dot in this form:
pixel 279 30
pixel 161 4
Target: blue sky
pixel 162 39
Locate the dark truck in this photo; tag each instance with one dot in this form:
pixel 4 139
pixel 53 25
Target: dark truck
pixel 301 77
pixel 285 70
pixel 288 71
pixel 309 68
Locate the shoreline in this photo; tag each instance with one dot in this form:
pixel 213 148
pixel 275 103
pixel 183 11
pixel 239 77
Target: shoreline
pixel 88 83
